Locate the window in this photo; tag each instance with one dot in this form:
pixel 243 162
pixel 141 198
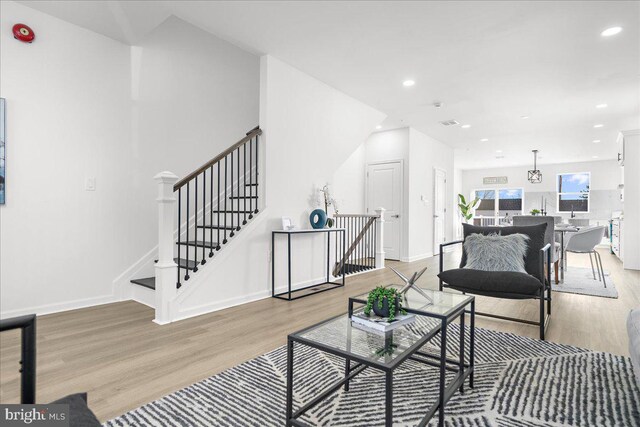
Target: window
pixel 574 192
pixel 499 202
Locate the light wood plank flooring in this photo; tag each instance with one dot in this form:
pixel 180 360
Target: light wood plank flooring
pixel 123 360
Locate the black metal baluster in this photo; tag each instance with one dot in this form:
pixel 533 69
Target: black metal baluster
pixel 359 243
pixel 351 240
pixel 244 184
pixel 186 273
pixel 238 173
pixel 232 201
pixel 370 241
pixel 251 178
pixel 257 174
pixel 179 230
pixel 204 217
pixel 211 212
pixel 219 206
pixel 375 241
pixel 195 230
pixel 225 201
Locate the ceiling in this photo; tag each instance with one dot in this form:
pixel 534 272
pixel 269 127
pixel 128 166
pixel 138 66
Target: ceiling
pixel 488 62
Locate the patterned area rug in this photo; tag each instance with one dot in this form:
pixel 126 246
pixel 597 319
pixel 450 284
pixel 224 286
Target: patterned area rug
pixel 519 382
pixel 579 280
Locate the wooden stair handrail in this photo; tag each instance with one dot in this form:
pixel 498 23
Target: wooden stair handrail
pixel 372 220
pixel 250 135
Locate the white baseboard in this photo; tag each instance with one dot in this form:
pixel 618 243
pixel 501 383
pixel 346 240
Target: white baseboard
pixel 417 257
pixel 59 307
pixel 219 305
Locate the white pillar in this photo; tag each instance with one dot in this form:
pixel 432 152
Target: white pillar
pixel 380 238
pixel 166 268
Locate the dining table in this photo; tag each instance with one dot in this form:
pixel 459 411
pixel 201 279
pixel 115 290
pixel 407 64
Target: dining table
pixel 562 230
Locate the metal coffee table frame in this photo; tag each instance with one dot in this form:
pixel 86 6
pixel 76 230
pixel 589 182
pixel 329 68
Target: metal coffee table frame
pixel 446 391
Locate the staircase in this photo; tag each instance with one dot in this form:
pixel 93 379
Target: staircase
pixel 211 206
pixel 364 241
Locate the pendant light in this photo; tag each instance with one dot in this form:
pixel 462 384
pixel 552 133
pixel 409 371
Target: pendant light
pixel 535 176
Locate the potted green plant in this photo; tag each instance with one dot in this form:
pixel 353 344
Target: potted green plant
pixel 466 209
pixel 385 302
pixel 535 212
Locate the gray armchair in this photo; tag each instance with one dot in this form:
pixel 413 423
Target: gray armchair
pixel 549 235
pixel 535 283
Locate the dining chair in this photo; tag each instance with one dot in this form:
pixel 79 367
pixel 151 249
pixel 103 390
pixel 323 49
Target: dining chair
pixel 585 242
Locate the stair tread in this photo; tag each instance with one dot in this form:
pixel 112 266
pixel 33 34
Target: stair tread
pixel 243 197
pixel 147 282
pixel 251 185
pixel 183 263
pixel 216 227
pixel 199 243
pixel 232 211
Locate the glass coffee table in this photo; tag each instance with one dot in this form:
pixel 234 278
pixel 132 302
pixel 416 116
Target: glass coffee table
pixel 362 349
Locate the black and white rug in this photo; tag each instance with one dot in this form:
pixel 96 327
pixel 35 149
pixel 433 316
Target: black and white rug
pixel 519 382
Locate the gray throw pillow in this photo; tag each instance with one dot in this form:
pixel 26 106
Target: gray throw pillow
pixel 496 253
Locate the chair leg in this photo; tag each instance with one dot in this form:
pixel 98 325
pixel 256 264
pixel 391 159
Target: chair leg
pixel 592 269
pixel 599 261
pixel 555 269
pixel 542 315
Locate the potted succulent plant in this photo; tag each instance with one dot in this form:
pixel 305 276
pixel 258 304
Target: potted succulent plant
pixel 385 302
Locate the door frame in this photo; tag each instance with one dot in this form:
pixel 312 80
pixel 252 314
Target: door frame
pixel 401 251
pixel 436 247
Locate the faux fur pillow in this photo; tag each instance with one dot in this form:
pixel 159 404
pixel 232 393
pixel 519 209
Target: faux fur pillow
pixel 496 253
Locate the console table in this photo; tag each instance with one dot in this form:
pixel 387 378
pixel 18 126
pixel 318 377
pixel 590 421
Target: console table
pixel 340 248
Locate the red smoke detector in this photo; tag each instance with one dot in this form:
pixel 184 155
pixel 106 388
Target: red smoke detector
pixel 23 33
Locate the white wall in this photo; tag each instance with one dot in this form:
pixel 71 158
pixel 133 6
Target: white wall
pixel 194 95
pixel 68 118
pixel 631 226
pixel 310 132
pixel 420 155
pixel 605 177
pixel 82 105
pixel 425 154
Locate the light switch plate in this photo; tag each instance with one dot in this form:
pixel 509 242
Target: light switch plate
pixel 90 184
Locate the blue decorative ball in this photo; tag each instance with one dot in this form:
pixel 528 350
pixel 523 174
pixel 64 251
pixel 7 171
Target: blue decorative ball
pixel 318 218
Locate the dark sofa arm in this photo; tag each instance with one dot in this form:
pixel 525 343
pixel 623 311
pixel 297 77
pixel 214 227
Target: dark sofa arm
pixel 545 256
pixel 442 246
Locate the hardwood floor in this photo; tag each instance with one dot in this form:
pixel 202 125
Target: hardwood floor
pixel 122 359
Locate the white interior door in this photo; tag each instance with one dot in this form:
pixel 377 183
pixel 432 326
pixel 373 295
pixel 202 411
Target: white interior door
pixel 439 208
pixel 384 189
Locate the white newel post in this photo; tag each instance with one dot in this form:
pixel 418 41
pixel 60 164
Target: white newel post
pixel 166 268
pixel 380 238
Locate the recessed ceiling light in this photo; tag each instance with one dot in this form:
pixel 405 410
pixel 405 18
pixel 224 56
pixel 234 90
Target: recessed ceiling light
pixel 611 31
pixel 594 157
pixel 408 83
pixel 524 117
pixel 601 106
pixel 595 141
pixel 484 139
pixel 597 126
pixel 498 151
pixel 379 127
pixel 465 126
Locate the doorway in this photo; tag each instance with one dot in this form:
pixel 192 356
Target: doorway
pixel 384 189
pixel 439 208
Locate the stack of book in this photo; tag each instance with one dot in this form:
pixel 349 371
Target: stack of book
pixel 379 324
